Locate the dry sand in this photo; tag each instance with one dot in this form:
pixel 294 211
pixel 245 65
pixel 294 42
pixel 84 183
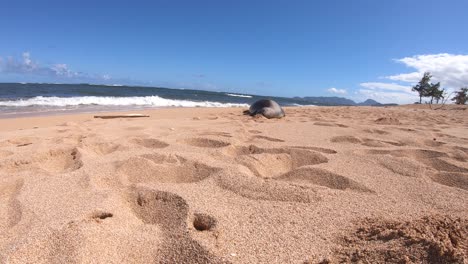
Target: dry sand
pixel 324 184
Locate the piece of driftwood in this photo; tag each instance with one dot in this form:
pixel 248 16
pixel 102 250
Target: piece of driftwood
pixel 120 116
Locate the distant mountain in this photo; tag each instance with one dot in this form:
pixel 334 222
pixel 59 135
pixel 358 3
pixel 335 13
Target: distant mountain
pixel 333 100
pixel 369 102
pixel 326 100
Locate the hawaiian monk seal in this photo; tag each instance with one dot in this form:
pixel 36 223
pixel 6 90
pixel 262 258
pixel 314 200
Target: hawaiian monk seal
pixel 268 108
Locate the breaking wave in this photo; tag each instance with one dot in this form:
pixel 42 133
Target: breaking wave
pixel 239 95
pixel 154 101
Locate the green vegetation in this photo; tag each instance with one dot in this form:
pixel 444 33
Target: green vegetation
pixel 427 89
pixel 461 96
pixel 432 90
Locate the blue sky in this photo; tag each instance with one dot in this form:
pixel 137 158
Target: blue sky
pixel 357 49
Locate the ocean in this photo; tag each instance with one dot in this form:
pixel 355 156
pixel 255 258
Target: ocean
pixel 18 99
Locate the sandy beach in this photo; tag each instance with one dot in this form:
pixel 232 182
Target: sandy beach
pixel 210 185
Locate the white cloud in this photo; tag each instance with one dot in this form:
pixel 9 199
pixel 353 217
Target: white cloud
pixel 386 86
pixel 383 96
pixel 387 92
pixel 27 66
pixel 63 71
pixel 337 91
pixel 449 69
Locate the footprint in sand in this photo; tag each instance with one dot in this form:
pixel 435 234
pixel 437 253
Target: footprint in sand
pixel 387 121
pixel 329 124
pixel 53 161
pixel 459 153
pixel 10 208
pixel 103 148
pixel 369 142
pixel 271 162
pixel 447 172
pixel 255 188
pixel 271 139
pixel 164 169
pixel 206 143
pixel 169 212
pixel 135 128
pixel 255 131
pixel 321 177
pixel 99 215
pixel 376 131
pixel 318 149
pixel 24 141
pixel 402 165
pixel 220 134
pixel 281 174
pixel 346 139
pixel 5 153
pixel 452 179
pixel 151 143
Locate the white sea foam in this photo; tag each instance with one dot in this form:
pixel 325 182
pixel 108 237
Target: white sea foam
pixel 299 105
pixel 154 101
pixel 239 95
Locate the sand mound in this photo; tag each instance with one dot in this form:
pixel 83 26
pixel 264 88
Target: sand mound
pixel 432 239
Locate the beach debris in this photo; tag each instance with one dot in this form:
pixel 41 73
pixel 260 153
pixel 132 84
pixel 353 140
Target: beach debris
pixel 120 116
pixel 25 144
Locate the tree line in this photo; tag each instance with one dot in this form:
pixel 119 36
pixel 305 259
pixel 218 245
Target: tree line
pixel 433 91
